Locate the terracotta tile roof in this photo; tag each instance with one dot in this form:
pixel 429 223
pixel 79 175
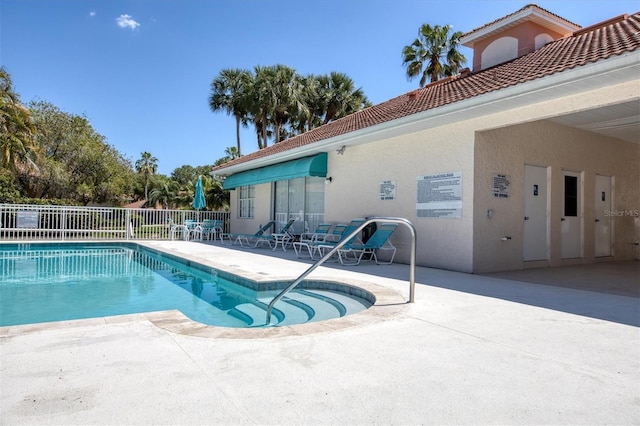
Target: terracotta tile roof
pixel 141 205
pixel 586 47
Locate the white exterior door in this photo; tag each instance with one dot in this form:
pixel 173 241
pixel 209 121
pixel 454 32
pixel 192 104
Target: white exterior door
pixel 571 220
pixel 602 226
pixel 535 237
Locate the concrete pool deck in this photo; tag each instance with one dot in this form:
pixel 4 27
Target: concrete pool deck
pixel 526 347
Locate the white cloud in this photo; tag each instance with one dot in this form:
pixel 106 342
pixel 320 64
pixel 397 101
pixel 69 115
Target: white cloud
pixel 92 13
pixel 126 21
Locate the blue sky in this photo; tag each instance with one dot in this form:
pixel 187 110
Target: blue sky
pixel 140 70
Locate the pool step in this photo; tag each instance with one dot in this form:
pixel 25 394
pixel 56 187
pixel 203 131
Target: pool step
pixel 351 304
pixel 249 313
pixel 287 313
pixel 298 307
pixel 255 313
pixel 320 309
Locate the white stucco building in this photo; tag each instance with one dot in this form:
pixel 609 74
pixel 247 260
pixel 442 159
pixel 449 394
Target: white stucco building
pixel 530 159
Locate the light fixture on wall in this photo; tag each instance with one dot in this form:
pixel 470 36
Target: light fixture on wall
pixel 328 180
pixel 340 151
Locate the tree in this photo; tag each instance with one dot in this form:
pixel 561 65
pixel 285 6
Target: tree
pixel 280 103
pixel 217 198
pixel 433 54
pixel 9 190
pixel 339 97
pixel 229 94
pixel 262 98
pixel 17 128
pixel 184 174
pixel 286 99
pixel 164 193
pixel 307 118
pixel 53 155
pixel 230 154
pixel 75 162
pixel 146 165
pixel 113 178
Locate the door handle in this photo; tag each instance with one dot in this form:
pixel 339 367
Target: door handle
pixel 526 218
pixel 597 220
pixel 562 219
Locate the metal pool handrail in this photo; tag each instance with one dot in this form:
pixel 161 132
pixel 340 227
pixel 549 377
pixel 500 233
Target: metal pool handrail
pixel 368 220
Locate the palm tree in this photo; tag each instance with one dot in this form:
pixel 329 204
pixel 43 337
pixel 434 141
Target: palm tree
pixel 281 103
pixel 17 128
pixel 229 93
pixel 165 194
pixel 287 99
pixel 276 95
pixel 147 165
pixel 309 117
pixel 433 54
pixel 217 198
pixel 340 96
pixel 262 100
pixel 231 153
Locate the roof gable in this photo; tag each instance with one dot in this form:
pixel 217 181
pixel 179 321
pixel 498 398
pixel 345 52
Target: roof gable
pixel 529 13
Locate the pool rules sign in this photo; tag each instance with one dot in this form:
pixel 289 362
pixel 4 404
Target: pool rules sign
pixel 440 196
pixel 27 219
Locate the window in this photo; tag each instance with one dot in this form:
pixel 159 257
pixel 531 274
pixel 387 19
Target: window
pixel 246 198
pixel 570 196
pixel 498 51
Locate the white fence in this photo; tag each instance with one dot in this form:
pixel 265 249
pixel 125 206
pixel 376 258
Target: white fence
pixel 33 222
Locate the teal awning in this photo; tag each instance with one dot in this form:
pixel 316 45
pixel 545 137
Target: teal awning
pixel 307 166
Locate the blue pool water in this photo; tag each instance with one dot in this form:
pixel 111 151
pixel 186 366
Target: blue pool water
pixel 56 282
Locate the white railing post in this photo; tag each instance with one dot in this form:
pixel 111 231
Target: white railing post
pixel 127 223
pixel 63 223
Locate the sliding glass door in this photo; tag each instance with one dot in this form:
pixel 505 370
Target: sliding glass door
pixel 301 199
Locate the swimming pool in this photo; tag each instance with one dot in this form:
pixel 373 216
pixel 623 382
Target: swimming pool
pixel 45 282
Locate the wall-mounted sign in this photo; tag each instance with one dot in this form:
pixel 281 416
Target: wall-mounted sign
pixel 440 195
pixel 27 219
pixel 388 190
pixel 500 185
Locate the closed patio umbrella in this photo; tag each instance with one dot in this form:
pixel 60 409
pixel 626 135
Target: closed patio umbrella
pixel 199 201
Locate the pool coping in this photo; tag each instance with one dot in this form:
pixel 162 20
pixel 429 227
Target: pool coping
pixel 388 304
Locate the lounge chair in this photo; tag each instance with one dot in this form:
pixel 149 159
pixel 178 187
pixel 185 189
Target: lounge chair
pixel 320 234
pixel 257 239
pixel 336 232
pixel 334 235
pixel 330 241
pixel 284 237
pixel 352 254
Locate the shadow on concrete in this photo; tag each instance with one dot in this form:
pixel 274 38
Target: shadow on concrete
pixel 581 290
pixel 607 290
